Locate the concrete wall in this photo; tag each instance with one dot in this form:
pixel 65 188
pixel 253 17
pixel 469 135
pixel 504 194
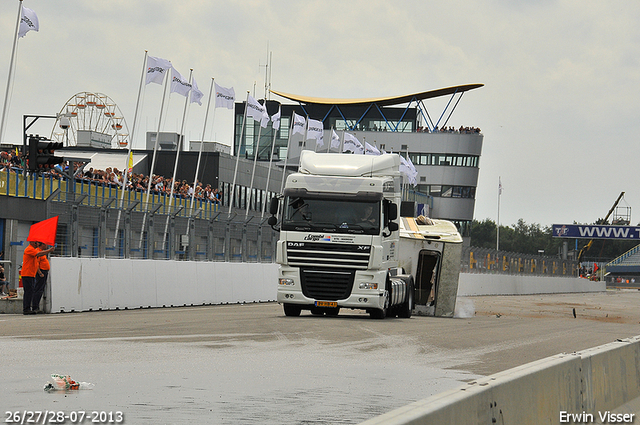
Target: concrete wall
pixel 473 284
pixel 82 284
pixel 590 383
pixel 97 283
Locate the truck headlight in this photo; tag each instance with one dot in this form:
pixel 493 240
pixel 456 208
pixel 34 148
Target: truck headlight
pixel 285 281
pixel 368 285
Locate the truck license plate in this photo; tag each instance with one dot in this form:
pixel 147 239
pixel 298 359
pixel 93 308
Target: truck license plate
pixel 326 304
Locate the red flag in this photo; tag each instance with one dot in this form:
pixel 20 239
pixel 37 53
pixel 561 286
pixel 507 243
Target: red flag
pixel 44 231
pixel 595 267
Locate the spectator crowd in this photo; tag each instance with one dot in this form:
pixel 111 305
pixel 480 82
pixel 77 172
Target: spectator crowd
pixel 450 129
pixel 12 162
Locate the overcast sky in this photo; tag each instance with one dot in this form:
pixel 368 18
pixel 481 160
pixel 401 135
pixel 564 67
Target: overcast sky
pixel 560 109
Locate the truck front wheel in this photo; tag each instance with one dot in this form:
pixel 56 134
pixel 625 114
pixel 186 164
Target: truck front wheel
pixel 381 313
pixel 292 310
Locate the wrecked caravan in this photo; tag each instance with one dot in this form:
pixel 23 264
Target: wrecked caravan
pixel 430 251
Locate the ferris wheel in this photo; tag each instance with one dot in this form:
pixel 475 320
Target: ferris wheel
pixel 91 119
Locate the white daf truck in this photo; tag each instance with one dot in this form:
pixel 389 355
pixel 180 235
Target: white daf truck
pixel 342 244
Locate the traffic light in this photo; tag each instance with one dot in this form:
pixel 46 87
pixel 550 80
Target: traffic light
pixel 41 156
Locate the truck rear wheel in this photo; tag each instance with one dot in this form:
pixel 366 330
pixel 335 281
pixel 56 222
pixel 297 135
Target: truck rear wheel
pixel 292 310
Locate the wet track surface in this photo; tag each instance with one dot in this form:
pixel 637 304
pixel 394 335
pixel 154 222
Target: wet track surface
pixel 247 364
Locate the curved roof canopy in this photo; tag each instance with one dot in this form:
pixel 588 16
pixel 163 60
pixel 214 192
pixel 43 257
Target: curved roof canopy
pixel 382 101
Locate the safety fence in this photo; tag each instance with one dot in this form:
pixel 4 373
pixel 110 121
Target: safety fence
pixel 486 260
pixel 139 230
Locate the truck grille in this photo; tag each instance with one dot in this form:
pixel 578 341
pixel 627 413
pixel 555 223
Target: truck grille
pixel 328 255
pixel 323 284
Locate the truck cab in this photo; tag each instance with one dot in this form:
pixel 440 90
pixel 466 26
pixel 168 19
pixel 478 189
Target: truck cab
pixel 339 235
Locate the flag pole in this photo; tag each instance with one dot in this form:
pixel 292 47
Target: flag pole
pixel 153 160
pixel 286 158
pixel 306 132
pixel 255 159
pixel 273 145
pixel 126 168
pixel 204 127
pixel 235 172
pixel 11 67
pixel 498 224
pixel 175 164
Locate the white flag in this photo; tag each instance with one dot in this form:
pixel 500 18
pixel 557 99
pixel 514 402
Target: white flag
pixel 179 84
pixel 225 98
pixel 156 69
pixel 28 22
pixel 370 150
pixel 257 111
pixel 196 94
pixel 335 139
pixel 408 169
pixel 265 117
pixel 299 123
pixel 275 119
pixel 315 129
pixel 351 143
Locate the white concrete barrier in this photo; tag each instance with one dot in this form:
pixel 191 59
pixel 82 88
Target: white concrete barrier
pixel 598 385
pixel 82 284
pixel 475 284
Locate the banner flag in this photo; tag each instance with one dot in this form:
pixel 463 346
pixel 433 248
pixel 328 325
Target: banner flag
pixel 179 84
pixel 315 130
pixel 275 119
pixel 257 111
pixel 44 231
pixel 299 123
pixel 156 69
pixel 225 98
pixel 351 143
pixel 130 162
pixel 335 139
pixel 28 22
pixel 196 94
pixel 408 169
pixel 265 117
pixel 370 150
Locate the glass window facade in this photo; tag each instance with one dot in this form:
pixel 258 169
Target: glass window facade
pixel 451 160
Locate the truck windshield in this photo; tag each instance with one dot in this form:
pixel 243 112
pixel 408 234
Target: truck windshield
pixel 331 215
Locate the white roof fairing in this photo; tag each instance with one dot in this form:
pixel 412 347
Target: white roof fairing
pixel 339 164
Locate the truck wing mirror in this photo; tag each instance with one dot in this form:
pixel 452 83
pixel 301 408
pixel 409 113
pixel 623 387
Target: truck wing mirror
pixel 393 212
pixel 271 221
pixel 273 206
pixel 393 226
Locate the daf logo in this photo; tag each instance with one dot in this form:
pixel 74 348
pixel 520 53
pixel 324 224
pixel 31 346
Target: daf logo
pixel 296 243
